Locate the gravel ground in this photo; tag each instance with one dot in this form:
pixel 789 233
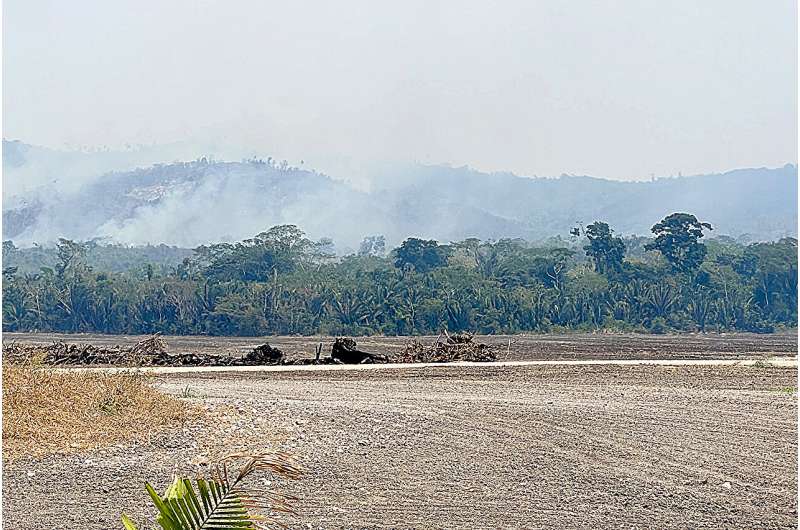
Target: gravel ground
pixel 510 347
pixel 467 447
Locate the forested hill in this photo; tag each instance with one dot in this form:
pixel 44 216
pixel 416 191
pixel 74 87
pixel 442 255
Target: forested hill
pixel 49 194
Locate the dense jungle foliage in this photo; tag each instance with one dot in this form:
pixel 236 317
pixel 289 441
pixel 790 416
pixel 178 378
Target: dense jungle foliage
pixel 280 282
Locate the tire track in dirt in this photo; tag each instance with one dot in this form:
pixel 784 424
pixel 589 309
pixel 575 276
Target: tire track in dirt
pixel 661 452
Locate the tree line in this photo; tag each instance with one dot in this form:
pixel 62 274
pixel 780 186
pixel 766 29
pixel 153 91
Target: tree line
pixel 281 282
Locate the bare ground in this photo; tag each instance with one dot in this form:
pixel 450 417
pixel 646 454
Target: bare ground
pixel 468 447
pixel 510 347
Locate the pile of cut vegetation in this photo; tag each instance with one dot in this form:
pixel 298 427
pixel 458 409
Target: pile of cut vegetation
pixel 149 352
pixel 456 347
pixel 46 412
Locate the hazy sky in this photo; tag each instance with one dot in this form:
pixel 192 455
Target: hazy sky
pixel 621 89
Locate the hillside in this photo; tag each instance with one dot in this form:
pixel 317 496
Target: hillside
pixel 48 194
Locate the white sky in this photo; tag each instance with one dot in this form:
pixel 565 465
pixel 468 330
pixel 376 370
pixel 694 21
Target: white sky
pixel 621 89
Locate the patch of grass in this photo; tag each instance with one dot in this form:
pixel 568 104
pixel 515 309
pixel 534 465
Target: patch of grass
pixel 46 412
pixel 189 393
pixel 762 363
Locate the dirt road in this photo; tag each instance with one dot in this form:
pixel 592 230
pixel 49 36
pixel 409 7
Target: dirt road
pixel 599 446
pixel 776 362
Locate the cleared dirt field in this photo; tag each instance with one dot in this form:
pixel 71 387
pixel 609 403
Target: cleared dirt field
pixel 467 447
pixel 510 347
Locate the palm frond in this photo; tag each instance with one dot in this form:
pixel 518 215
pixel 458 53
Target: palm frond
pixel 127 523
pixel 221 502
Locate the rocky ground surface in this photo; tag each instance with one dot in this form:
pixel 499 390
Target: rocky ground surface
pixel 508 347
pixel 465 447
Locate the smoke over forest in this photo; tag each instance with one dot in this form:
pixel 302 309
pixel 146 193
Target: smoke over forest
pixel 148 196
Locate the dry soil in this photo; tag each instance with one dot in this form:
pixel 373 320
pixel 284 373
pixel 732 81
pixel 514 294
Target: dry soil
pixel 466 447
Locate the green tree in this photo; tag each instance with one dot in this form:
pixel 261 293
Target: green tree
pixel 420 254
pixel 606 251
pixel 678 240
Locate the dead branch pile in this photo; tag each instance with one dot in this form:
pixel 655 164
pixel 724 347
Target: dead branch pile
pixel 64 353
pixel 154 345
pixel 148 352
pixel 17 353
pixel 153 351
pixel 456 347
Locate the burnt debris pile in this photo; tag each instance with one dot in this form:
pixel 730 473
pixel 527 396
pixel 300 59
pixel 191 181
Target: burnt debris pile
pixel 264 354
pixel 345 351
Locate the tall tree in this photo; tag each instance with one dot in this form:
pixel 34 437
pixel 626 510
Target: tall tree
pixel 678 240
pixel 606 251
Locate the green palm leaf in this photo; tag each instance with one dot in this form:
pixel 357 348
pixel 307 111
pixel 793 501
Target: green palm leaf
pixel 219 503
pixel 127 523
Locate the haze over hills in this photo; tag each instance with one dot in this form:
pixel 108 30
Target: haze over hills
pixel 130 198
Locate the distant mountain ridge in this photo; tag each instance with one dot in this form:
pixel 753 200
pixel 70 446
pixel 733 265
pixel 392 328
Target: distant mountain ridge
pixel 760 202
pixel 190 203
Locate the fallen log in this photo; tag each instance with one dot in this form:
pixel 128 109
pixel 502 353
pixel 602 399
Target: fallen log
pixel 345 351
